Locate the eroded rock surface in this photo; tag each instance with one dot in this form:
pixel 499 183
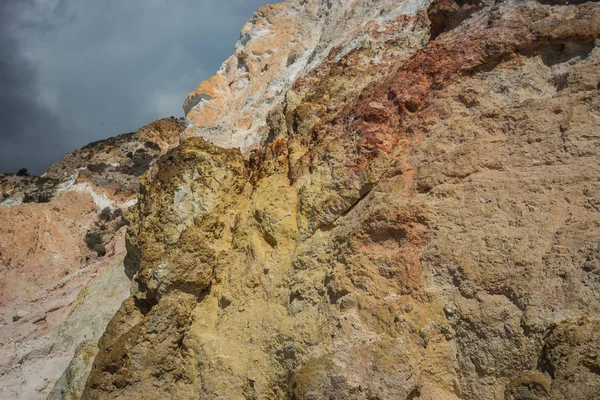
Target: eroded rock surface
pixel 58 289
pixel 281 43
pixel 420 221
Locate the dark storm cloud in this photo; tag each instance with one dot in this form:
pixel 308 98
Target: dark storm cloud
pixel 75 71
pixel 22 119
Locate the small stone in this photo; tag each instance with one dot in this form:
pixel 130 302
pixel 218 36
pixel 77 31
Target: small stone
pixel 399 317
pixel 466 290
pixel 41 386
pixel 449 311
pixel 19 315
pixel 409 307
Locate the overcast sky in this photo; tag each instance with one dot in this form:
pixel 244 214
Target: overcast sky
pixel 76 71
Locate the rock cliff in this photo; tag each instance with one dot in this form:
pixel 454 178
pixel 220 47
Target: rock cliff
pixel 375 200
pixel 372 199
pixel 57 292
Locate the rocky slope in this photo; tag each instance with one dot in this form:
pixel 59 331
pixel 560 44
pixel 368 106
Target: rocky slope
pixel 414 212
pixel 372 200
pixel 57 292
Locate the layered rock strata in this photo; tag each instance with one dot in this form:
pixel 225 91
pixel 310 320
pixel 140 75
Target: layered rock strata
pixel 419 220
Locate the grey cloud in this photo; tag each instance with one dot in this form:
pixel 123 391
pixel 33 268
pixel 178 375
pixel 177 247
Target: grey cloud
pixel 75 71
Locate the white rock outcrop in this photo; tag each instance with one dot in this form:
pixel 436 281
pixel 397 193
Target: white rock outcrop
pixel 279 44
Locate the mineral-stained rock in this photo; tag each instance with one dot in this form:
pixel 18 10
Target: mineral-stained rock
pixel 57 292
pixel 283 42
pixel 370 200
pixel 419 218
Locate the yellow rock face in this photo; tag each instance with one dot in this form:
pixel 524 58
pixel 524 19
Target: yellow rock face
pixel 419 219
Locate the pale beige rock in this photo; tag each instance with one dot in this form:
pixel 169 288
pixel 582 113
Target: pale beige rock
pixel 57 295
pixel 62 315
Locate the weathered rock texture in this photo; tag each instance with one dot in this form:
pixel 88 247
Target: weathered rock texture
pixel 57 292
pixel 281 43
pixel 420 221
